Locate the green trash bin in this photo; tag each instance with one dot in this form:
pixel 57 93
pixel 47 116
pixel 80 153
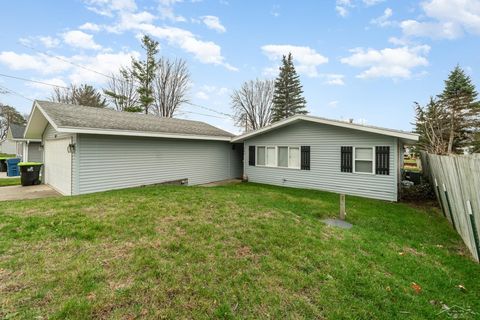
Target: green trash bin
pixel 30 173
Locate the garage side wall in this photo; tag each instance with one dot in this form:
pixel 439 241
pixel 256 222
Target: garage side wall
pixel 115 162
pixel 325 143
pixel 51 134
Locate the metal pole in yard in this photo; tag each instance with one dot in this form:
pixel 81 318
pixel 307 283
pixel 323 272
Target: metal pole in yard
pixel 342 207
pixel 449 207
pixel 440 198
pixel 474 228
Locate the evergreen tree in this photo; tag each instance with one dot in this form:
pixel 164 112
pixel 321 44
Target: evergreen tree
pixel 288 97
pixel 459 99
pixel 144 73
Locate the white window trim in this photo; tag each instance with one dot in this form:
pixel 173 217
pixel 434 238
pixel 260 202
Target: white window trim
pixel 372 160
pixel 276 157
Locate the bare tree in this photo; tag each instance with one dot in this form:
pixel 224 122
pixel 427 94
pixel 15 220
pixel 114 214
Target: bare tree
pixel 253 103
pixel 432 123
pixel 170 86
pixel 121 91
pixel 9 115
pixel 84 94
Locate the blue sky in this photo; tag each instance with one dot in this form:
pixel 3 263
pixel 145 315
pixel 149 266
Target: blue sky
pixel 362 59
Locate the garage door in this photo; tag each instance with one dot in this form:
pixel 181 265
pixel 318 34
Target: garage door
pixel 58 165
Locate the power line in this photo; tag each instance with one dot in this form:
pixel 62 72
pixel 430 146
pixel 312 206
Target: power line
pixel 15 93
pixel 64 60
pixel 202 114
pixel 34 81
pixel 209 109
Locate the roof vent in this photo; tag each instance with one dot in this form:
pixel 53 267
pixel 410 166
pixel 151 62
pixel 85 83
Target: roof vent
pixel 350 120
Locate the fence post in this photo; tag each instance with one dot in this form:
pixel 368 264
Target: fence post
pixel 440 198
pixel 342 207
pixel 449 207
pixel 474 228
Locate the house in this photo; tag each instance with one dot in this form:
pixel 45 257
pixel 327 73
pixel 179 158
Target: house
pixel 88 149
pixel 25 149
pixel 318 153
pixel 8 146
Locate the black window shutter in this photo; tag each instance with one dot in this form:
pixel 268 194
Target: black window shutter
pixel 305 158
pixel 346 159
pixel 382 160
pixel 251 155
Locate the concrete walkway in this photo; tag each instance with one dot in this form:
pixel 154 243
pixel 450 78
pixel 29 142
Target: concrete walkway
pixel 30 192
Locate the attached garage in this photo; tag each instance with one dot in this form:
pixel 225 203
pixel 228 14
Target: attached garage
pixel 58 165
pixel 90 149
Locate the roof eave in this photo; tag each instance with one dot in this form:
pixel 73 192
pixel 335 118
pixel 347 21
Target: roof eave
pixel 132 133
pixel 402 135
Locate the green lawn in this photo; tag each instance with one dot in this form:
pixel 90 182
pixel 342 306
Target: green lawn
pixel 232 252
pixel 9 182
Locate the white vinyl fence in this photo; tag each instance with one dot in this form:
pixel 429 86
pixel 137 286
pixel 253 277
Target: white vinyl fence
pixel 456 180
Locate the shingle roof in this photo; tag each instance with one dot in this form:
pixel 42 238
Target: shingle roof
pixel 82 117
pixel 17 130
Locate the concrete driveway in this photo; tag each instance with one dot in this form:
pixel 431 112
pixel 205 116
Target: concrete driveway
pixel 30 192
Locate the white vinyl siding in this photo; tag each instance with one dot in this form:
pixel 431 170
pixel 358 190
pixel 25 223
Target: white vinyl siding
pixel 325 143
pixel 112 162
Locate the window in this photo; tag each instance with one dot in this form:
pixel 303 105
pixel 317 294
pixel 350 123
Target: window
pixel 363 160
pixel 294 158
pixel 282 157
pixel 260 156
pixel 271 161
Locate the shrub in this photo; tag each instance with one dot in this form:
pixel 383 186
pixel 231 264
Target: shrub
pixel 419 192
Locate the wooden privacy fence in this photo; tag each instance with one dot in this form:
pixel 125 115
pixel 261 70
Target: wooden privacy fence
pixel 456 180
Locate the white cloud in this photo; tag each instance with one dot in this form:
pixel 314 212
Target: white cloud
pixel 46 88
pixel 334 79
pixel 388 62
pixel 369 3
pixel 103 63
pixel 384 19
pixel 108 7
pixel 213 22
pixel 165 8
pixel 80 39
pixel 38 62
pixel 90 27
pixel 342 7
pixel 49 42
pixel 333 104
pixel 444 30
pixel 449 19
pixel 306 59
pixel 205 92
pixel 142 22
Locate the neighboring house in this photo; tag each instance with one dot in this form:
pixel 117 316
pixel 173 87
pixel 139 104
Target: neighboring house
pixel 8 146
pixel 26 149
pixel 317 153
pixel 93 149
pixel 89 149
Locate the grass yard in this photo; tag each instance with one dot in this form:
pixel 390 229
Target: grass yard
pixel 9 182
pixel 231 252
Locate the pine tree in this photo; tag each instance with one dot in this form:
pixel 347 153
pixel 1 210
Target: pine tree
pixel 144 73
pixel 288 97
pixel 459 98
